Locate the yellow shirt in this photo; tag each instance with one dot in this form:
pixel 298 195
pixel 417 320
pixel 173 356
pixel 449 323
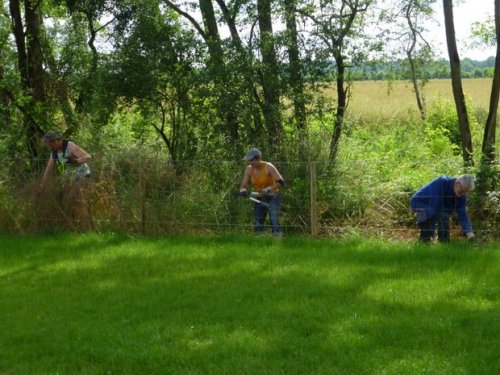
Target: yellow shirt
pixel 263 179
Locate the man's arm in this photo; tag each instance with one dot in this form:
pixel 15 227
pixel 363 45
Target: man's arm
pixel 245 180
pixel 78 154
pixel 271 169
pixel 463 218
pixel 49 169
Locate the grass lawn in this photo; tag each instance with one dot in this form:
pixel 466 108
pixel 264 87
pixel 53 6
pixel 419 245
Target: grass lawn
pixel 110 304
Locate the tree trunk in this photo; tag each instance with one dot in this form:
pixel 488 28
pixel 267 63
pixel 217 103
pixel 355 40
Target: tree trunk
pixel 456 81
pixel 33 17
pixel 36 73
pixel 4 99
pixel 90 43
pixel 18 30
pixel 245 67
pixel 416 89
pixel 411 60
pixel 489 138
pixel 212 32
pixel 270 77
pixel 341 106
pixel 219 71
pixel 296 78
pixel 29 60
pixel 231 24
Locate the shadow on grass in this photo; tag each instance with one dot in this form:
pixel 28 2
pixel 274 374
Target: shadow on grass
pixel 258 306
pixel 22 253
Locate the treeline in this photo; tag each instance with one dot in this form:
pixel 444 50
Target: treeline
pixel 204 77
pixel 377 70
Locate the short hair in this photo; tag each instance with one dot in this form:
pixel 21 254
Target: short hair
pixel 51 136
pixel 467 181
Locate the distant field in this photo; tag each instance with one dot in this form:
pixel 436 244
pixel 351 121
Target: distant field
pixel 379 99
pixel 110 304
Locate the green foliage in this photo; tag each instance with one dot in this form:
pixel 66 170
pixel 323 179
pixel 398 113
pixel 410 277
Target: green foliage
pixel 487 196
pixel 438 140
pixel 443 120
pixel 484 33
pixel 382 163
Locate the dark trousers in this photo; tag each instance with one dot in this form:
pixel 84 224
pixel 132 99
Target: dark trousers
pixel 260 212
pixel 428 227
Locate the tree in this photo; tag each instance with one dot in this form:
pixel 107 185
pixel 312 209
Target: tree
pixel 335 24
pixel 412 11
pixel 152 71
pixel 269 77
pixel 27 34
pixel 489 138
pixel 242 63
pixel 226 88
pixel 81 48
pixel 296 78
pixel 456 81
pixel 219 69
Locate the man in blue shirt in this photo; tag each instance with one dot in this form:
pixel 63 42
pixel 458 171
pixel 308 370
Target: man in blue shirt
pixel 436 201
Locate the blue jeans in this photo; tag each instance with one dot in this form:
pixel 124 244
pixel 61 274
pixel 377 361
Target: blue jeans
pixel 260 211
pixel 428 227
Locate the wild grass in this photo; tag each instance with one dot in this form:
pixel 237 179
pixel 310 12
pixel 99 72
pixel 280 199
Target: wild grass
pixel 395 100
pixel 112 304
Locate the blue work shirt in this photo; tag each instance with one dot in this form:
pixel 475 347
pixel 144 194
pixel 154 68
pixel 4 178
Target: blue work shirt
pixel 439 196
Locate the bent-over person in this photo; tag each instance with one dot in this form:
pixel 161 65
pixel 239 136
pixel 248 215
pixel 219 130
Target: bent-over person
pixel 70 161
pixel 436 201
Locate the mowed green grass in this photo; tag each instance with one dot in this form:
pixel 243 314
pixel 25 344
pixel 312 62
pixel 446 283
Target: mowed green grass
pixel 110 304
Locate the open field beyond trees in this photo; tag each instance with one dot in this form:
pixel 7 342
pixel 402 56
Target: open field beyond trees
pixel 111 304
pixel 371 99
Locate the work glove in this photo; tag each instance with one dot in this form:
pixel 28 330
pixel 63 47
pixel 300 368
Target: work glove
pixel 267 190
pixel 243 193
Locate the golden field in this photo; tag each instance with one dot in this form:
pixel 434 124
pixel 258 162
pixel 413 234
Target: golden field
pixel 371 99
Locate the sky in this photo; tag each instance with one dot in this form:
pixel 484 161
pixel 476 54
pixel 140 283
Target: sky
pixel 465 13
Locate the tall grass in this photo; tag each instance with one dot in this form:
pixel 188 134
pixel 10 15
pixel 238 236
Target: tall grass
pixel 114 304
pixel 380 99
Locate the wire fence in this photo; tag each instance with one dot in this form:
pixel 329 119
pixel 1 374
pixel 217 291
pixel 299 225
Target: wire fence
pixel 156 196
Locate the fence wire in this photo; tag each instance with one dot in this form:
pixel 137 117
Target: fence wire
pixel 156 196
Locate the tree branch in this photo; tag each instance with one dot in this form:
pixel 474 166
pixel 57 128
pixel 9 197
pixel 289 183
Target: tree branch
pixel 189 17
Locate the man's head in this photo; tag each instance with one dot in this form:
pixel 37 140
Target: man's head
pixel 463 184
pixel 253 155
pixel 52 140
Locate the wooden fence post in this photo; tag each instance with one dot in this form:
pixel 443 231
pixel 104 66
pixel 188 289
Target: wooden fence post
pixel 142 197
pixel 312 183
